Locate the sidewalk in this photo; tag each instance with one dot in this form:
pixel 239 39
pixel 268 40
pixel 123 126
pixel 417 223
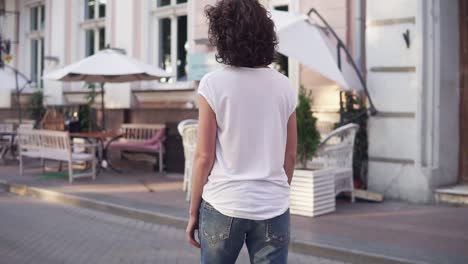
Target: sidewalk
pixel 389 232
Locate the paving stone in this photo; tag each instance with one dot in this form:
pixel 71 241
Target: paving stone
pixel 39 232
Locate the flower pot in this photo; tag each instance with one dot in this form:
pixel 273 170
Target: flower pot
pixel 312 192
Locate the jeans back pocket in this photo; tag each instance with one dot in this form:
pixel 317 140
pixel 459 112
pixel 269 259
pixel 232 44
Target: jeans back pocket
pixel 278 228
pixel 215 226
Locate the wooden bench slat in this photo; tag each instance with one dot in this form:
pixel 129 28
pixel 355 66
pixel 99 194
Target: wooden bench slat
pixel 48 144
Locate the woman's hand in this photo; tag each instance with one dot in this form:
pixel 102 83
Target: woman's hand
pixel 191 227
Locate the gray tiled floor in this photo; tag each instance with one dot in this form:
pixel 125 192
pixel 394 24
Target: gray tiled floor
pixel 418 233
pixel 37 232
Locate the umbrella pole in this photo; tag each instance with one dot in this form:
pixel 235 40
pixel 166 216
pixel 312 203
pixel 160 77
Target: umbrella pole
pixel 372 109
pixel 103 116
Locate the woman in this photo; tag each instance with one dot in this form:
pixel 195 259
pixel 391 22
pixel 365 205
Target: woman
pixel 246 148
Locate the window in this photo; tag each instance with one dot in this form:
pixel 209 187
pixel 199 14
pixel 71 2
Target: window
pixel 182 46
pixel 95 40
pixel 163 2
pixel 36 39
pixel 94 26
pixel 165 44
pixel 89 42
pixel 95 9
pixel 171 19
pixel 34 59
pixel 34 16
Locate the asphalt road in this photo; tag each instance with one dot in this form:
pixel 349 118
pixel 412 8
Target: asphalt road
pixel 34 231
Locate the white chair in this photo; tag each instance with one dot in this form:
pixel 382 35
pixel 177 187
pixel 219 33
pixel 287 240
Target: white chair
pixel 26 126
pixel 189 140
pixel 180 128
pixel 336 151
pixel 5 140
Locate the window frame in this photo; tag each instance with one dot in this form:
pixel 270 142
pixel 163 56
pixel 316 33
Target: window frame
pixel 96 10
pixel 94 24
pixel 172 12
pixel 36 34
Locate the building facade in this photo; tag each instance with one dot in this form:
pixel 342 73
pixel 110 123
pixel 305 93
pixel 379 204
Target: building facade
pixel 169 33
pixel 408 49
pixel 416 63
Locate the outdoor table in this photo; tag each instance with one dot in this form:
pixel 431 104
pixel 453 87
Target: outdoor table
pixel 100 138
pixel 6 146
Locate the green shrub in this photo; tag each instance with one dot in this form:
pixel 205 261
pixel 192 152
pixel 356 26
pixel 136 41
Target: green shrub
pixel 308 137
pixel 36 107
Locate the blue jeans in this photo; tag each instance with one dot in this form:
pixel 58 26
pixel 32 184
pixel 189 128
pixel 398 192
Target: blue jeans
pixel 222 237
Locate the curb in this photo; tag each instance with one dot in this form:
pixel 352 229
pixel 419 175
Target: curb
pixel 302 247
pixel 123 211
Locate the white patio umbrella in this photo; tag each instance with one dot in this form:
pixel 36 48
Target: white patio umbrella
pixel 316 47
pixel 301 39
pixel 107 66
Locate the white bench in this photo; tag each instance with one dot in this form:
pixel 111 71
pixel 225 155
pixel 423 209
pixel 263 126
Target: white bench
pixel 54 145
pixel 142 138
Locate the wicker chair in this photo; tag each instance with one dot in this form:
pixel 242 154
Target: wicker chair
pixel 180 128
pixel 189 140
pixel 336 151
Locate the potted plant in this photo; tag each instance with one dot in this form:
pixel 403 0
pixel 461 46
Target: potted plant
pixel 312 189
pixel 308 137
pixel 85 114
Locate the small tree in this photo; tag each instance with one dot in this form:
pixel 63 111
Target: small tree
pixel 308 137
pixel 36 107
pixel 86 113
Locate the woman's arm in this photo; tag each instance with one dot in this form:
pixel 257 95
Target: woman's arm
pixel 291 145
pixel 202 163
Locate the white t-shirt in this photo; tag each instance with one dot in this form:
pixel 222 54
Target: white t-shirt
pixel 252 107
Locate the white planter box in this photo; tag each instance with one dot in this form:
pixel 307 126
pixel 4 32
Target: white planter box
pixel 313 192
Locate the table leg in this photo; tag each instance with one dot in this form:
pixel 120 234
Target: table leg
pixel 13 148
pixel 105 159
pixel 3 151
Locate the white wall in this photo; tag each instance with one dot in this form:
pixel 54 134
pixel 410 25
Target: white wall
pixel 413 141
pixel 54 47
pixel 392 133
pixel 447 97
pixel 119 95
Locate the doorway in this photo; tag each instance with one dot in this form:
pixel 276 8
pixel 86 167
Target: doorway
pixel 463 159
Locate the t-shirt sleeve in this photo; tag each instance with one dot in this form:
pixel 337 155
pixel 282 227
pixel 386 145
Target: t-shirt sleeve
pixel 205 90
pixel 292 98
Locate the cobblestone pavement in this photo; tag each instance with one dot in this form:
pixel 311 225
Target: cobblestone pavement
pixel 33 231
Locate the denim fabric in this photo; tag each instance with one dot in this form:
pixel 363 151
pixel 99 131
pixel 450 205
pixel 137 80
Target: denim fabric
pixel 222 237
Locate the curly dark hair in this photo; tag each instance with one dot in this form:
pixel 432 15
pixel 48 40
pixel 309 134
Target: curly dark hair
pixel 242 32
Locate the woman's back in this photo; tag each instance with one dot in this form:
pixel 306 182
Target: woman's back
pixel 252 108
pixel 246 146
